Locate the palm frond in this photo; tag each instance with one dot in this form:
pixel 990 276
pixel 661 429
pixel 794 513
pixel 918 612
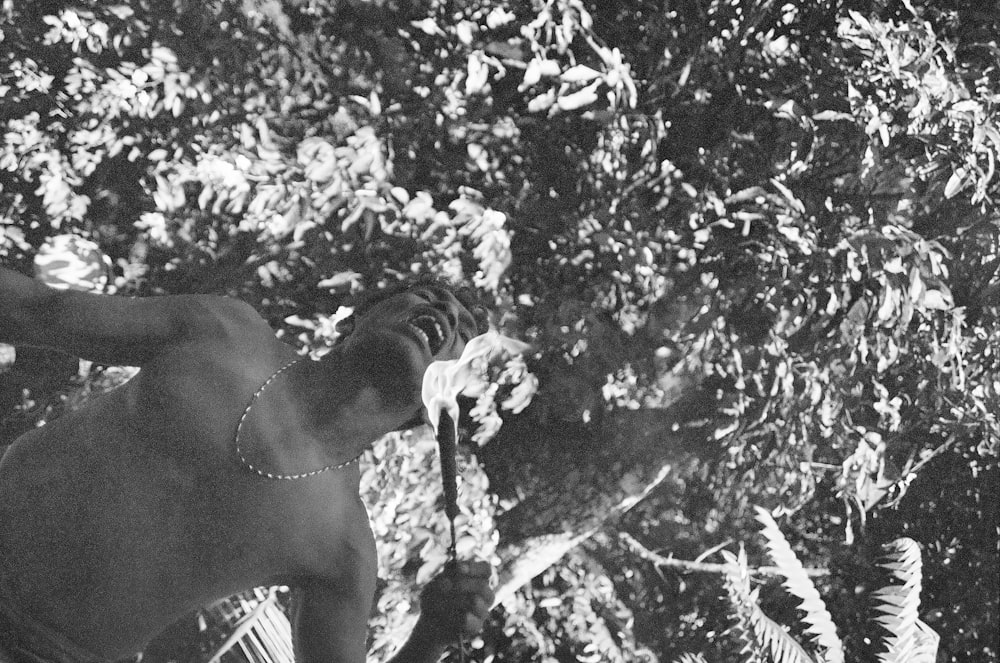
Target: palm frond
pixel 821 628
pixel 762 637
pixel 691 658
pixel 909 639
pixel 260 630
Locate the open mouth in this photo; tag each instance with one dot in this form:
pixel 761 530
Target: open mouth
pixel 428 328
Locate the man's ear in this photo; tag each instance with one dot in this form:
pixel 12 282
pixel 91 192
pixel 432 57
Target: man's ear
pixel 345 327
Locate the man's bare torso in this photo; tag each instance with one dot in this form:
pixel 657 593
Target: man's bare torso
pixel 118 518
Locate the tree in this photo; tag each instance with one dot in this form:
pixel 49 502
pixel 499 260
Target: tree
pixel 754 247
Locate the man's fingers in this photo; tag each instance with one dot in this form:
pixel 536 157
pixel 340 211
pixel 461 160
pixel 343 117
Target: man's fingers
pixel 472 569
pixel 472 626
pixel 480 607
pixel 472 579
pixel 471 585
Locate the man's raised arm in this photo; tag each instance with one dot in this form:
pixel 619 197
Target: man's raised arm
pixel 330 627
pixel 453 607
pixel 102 328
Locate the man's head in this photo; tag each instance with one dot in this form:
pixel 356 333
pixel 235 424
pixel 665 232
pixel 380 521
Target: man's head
pixel 397 332
pixel 465 296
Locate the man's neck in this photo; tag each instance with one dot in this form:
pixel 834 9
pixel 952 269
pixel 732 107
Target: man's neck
pixel 340 406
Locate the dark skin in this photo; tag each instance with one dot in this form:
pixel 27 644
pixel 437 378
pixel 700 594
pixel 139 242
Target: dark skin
pixel 120 517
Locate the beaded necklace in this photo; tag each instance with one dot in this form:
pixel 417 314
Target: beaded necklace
pixel 273 475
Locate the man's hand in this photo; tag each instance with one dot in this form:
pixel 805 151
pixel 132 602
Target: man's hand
pixel 456 603
pixel 453 605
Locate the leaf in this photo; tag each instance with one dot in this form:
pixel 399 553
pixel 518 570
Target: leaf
pixel 7 356
pixel 936 299
pixel 477 73
pixel 274 12
pixel 205 196
pixel 532 74
pixel 428 26
pixel 955 183
pixel 832 116
pixel 498 17
pixel 536 69
pixel 463 30
pixel 926 646
pixel 339 280
pixel 542 102
pixel 887 310
pixel 521 395
pixel 793 201
pixel 968 106
pixel 744 195
pixel 580 98
pixel 797 582
pixel 581 73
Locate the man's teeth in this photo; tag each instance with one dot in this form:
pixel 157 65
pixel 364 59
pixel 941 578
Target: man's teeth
pixel 423 335
pixel 425 324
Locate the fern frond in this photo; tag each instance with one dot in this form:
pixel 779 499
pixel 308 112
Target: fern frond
pixel 821 628
pixel 909 639
pixel 763 639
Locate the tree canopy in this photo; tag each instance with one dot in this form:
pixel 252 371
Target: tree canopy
pixel 755 248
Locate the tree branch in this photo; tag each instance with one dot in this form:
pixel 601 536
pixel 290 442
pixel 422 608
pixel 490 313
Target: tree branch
pixel 702 567
pixel 568 501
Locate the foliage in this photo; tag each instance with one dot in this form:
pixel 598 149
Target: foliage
pixel 570 612
pixel 795 202
pixel 762 639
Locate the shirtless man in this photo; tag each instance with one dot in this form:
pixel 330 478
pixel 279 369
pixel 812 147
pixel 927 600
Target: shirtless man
pixel 120 517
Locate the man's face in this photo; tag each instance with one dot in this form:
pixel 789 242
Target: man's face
pixel 399 337
pixel 428 318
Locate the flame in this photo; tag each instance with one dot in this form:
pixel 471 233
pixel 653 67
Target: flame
pixel 445 380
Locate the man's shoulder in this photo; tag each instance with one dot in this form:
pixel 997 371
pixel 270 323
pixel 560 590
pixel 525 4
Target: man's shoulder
pixel 221 307
pixel 218 336
pixel 215 317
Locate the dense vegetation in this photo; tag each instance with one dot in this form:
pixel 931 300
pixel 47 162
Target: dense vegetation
pixel 755 247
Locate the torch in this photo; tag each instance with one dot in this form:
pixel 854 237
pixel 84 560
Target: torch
pixel 443 382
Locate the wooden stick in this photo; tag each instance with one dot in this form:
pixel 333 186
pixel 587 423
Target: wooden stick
pixel 447 450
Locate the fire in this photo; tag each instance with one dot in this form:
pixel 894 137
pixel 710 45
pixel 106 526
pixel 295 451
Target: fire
pixel 445 380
